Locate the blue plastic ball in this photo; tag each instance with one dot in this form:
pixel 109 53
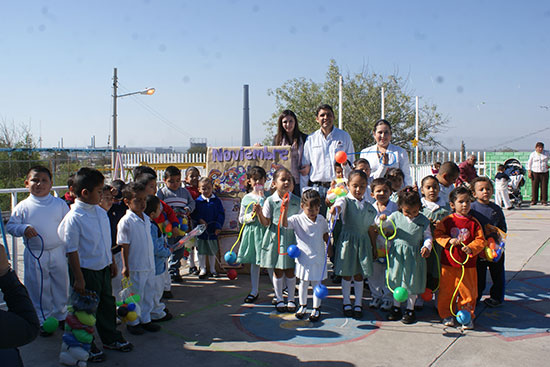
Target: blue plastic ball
pixel 230 257
pixel 131 307
pixel 320 291
pixel 463 317
pixel 293 251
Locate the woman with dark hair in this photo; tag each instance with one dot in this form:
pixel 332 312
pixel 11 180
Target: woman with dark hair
pixel 384 155
pixel 288 133
pixel 537 169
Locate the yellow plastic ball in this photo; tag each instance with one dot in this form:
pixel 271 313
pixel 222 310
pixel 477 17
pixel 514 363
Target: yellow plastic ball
pixel 132 316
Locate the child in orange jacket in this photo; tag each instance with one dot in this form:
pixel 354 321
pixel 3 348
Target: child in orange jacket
pixel 461 237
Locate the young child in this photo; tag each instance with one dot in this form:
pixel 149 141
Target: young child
pixel 435 168
pixel 138 261
pixel 396 177
pixel 456 249
pixel 272 249
pixel 183 204
pixel 87 237
pixel 362 164
pixel 161 253
pixel 502 180
pixel 192 176
pixel 488 214
pixel 253 232
pixel 36 219
pixel 446 176
pixel 435 209
pixel 311 230
pixel 209 211
pixel 69 196
pixel 115 213
pixel 411 246
pixel 353 250
pixel 381 295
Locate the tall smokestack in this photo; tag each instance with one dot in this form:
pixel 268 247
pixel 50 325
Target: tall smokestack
pixel 246 118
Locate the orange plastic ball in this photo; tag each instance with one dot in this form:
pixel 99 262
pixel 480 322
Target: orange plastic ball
pixel 341 157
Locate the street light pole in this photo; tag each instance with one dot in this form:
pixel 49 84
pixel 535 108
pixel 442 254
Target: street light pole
pixel 148 91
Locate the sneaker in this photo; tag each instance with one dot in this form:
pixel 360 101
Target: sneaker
pixel 315 315
pixel 167 295
pixel 491 302
pixel 375 303
pixel 469 326
pixel 150 327
pixel 192 270
pixel 166 317
pixel 395 314
pixel 135 329
pixel 409 317
pixel 96 355
pixel 386 305
pixel 214 274
pixel 202 274
pixel 449 321
pixel 176 278
pixel 121 346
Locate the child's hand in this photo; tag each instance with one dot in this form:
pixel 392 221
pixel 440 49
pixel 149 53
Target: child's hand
pixel 30 232
pixel 383 217
pixel 334 209
pixel 467 250
pixel 286 199
pixel 114 269
pixel 330 251
pixel 79 285
pixel 425 252
pixel 125 272
pixel 328 203
pixel 454 241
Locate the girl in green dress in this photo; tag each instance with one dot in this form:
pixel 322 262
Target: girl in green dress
pixel 354 252
pixel 273 253
pixel 253 232
pixel 407 256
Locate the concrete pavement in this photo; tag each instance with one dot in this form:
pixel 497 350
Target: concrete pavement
pixel 213 327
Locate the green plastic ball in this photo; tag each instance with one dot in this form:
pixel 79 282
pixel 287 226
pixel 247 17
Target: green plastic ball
pixel 400 294
pixel 50 324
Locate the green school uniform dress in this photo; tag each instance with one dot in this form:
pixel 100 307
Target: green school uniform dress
pixel 253 232
pixel 407 268
pixel 353 250
pixel 269 253
pixel 434 212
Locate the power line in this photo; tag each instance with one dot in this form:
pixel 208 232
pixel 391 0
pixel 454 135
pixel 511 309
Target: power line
pixel 518 138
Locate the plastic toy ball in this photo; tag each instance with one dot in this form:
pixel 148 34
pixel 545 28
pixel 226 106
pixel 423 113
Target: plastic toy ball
pixel 341 157
pixel 50 324
pixel 232 274
pixel 230 257
pixel 132 316
pixel 134 298
pixel 119 303
pixel 122 311
pixel 320 291
pixel 427 295
pixel 400 294
pixel 131 307
pixel 463 317
pixel 293 251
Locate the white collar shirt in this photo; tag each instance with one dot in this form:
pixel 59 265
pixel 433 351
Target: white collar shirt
pixel 538 162
pixel 136 232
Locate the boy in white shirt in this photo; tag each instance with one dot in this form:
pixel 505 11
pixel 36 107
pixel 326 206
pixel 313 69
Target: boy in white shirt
pixel 36 219
pixel 86 233
pixel 138 259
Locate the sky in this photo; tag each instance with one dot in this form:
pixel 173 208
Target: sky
pixel 485 64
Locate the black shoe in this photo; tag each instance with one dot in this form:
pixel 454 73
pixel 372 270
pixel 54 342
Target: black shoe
pixel 315 315
pixel 152 328
pixel 135 329
pixel 167 295
pixel 62 325
pixel 291 307
pixel 166 317
pixel 491 302
pixel 280 306
pixel 176 278
pixel 301 312
pixel 251 298
pixel 348 310
pixel 409 317
pixel 120 346
pixel 357 312
pixel 395 314
pixel 193 270
pixel 96 355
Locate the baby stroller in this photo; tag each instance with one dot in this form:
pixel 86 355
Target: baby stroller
pixel 516 172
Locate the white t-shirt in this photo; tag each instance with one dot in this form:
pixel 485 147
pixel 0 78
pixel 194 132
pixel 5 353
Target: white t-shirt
pixel 136 232
pixel 44 213
pixel 538 162
pixel 86 229
pixel 309 238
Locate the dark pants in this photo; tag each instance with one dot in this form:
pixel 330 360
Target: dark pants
pixel 498 277
pixel 99 281
pixel 539 179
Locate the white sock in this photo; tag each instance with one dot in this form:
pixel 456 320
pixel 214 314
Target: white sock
pixel 278 287
pixel 346 290
pixel 358 287
pixel 212 263
pixel 316 300
pixel 254 278
pixel 410 301
pixel 291 288
pixel 270 273
pixel 191 258
pixel 302 292
pixel 202 262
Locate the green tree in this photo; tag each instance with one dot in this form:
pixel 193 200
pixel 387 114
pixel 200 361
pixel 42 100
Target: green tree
pixel 361 105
